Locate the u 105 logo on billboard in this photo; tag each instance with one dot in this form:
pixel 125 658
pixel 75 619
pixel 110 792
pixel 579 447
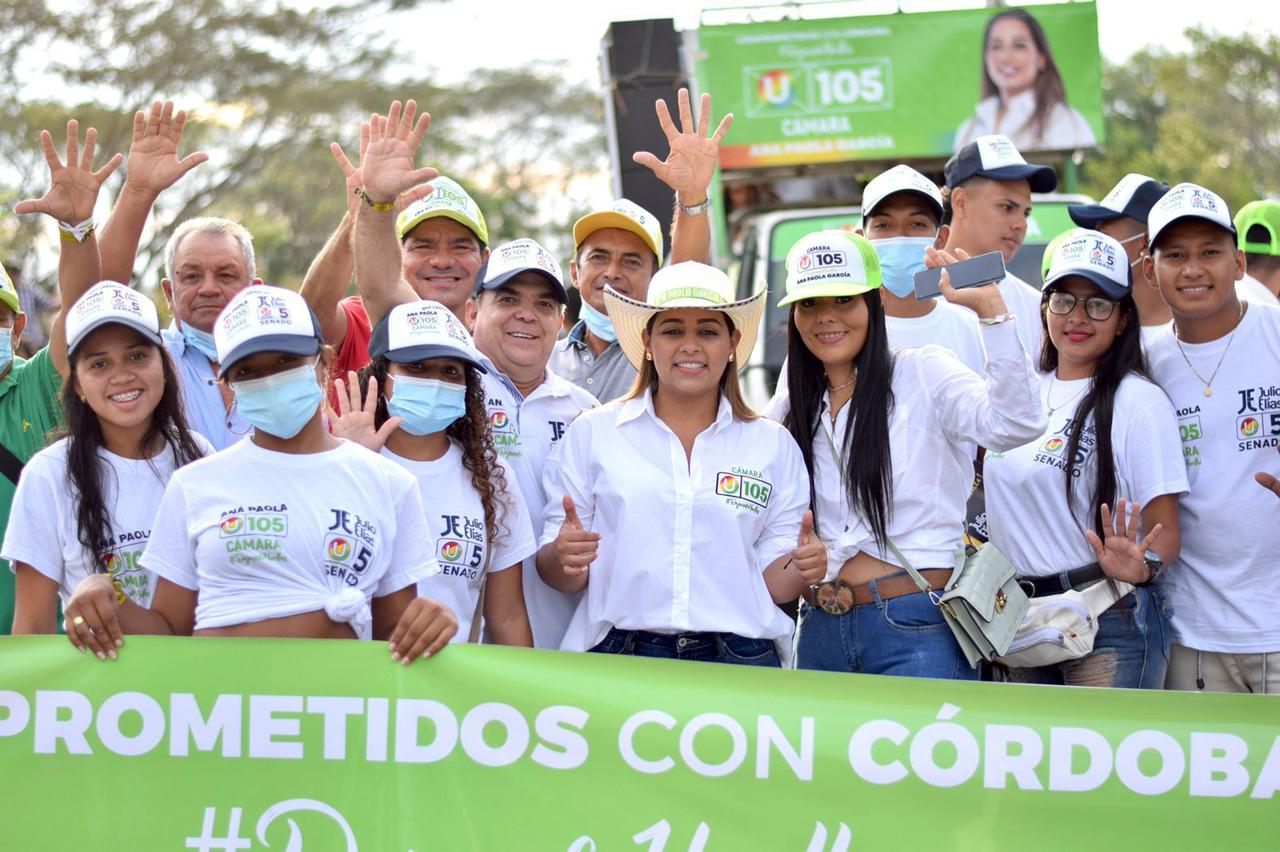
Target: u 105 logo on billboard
pixel 747 488
pixel 845 85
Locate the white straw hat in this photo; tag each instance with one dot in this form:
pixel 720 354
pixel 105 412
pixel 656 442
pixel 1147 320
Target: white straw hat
pixel 684 285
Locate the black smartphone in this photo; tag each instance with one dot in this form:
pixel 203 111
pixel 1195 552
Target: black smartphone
pixel 974 272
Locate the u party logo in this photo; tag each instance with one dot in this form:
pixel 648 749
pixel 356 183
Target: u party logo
pixel 1249 426
pixel 774 88
pixel 500 421
pixel 748 489
pixel 339 549
pixel 1054 445
pixel 451 551
pixel 232 525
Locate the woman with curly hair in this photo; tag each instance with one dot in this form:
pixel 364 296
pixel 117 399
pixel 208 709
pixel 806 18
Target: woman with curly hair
pixel 430 418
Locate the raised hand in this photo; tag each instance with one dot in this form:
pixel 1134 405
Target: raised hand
pixel 810 555
pixel 354 418
pixel 576 547
pixel 387 166
pixel 692 160
pixel 73 188
pixel 1121 555
pixel 153 155
pixel 353 174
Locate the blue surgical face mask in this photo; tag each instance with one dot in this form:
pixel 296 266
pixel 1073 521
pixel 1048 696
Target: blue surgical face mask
pixel 6 348
pixel 201 340
pixel 599 324
pixel 900 259
pixel 426 405
pixel 282 404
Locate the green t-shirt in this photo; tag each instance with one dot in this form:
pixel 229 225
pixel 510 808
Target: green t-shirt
pixel 29 410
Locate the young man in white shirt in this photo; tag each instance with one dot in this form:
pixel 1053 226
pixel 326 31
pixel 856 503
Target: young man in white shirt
pixel 902 216
pixel 1122 214
pixel 1218 367
pixel 1258 225
pixel 989 188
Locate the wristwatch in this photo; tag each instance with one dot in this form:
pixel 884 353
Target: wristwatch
pixel 1154 564
pixel 695 209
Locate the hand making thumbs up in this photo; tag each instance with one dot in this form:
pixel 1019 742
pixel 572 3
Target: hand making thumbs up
pixel 575 546
pixel 810 555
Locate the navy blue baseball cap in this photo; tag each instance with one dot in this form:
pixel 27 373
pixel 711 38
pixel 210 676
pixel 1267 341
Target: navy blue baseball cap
pixel 1133 196
pixel 997 158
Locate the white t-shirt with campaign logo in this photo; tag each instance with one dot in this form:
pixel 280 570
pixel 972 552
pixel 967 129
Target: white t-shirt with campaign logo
pixel 262 534
pixel 460 539
pixel 947 325
pixel 1027 513
pixel 1224 592
pixel 43 530
pixel 527 433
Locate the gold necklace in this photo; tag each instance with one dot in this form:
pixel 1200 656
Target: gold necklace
pixel 1208 383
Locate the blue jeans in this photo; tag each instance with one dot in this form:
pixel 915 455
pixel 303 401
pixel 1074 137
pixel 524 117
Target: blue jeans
pixel 904 636
pixel 1131 650
pixel 703 647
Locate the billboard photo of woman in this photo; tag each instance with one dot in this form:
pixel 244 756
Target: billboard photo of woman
pixel 1022 92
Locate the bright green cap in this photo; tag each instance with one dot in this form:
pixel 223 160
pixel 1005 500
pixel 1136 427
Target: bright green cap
pixel 449 200
pixel 831 263
pixel 8 293
pixel 1266 215
pixel 1052 247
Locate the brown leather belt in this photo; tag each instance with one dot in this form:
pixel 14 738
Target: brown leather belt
pixel 838 597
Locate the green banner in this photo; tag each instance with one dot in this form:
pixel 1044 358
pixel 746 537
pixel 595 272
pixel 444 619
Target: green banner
pixel 886 87
pixel 226 744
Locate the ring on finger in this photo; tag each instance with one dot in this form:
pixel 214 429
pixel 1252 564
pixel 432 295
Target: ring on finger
pixel 77 621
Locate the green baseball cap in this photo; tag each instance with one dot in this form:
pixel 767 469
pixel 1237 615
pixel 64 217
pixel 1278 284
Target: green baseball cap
pixel 1052 246
pixel 447 199
pixel 8 292
pixel 1265 214
pixel 831 263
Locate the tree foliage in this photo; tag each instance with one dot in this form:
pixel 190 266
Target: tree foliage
pixel 268 87
pixel 1210 116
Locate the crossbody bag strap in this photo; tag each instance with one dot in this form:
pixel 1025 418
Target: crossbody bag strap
pixel 478 617
pixel 920 581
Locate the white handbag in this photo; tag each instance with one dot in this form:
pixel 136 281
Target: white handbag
pixel 1062 627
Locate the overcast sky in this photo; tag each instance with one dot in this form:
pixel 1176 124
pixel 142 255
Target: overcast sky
pixel 515 32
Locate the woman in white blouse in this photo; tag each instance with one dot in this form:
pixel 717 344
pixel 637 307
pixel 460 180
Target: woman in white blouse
pixel 886 437
pixel 1022 92
pixel 683 513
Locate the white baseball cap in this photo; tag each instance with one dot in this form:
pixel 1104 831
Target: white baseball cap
pixel 447 199
pixel 1189 201
pixel 508 260
pixel 626 215
pixel 900 178
pixel 109 303
pixel 831 263
pixel 261 318
pixel 1097 258
pixel 416 331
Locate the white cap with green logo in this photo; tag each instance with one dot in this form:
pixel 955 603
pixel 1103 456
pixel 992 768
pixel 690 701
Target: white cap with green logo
pixel 825 264
pixel 449 200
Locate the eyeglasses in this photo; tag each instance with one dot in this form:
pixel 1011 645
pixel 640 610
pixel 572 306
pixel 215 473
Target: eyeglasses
pixel 1095 307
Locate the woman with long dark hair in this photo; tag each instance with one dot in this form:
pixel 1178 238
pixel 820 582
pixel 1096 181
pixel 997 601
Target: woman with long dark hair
pixel 291 532
pixel 1068 508
pixel 683 514
pixel 85 504
pixel 886 437
pixel 420 402
pixel 1022 92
